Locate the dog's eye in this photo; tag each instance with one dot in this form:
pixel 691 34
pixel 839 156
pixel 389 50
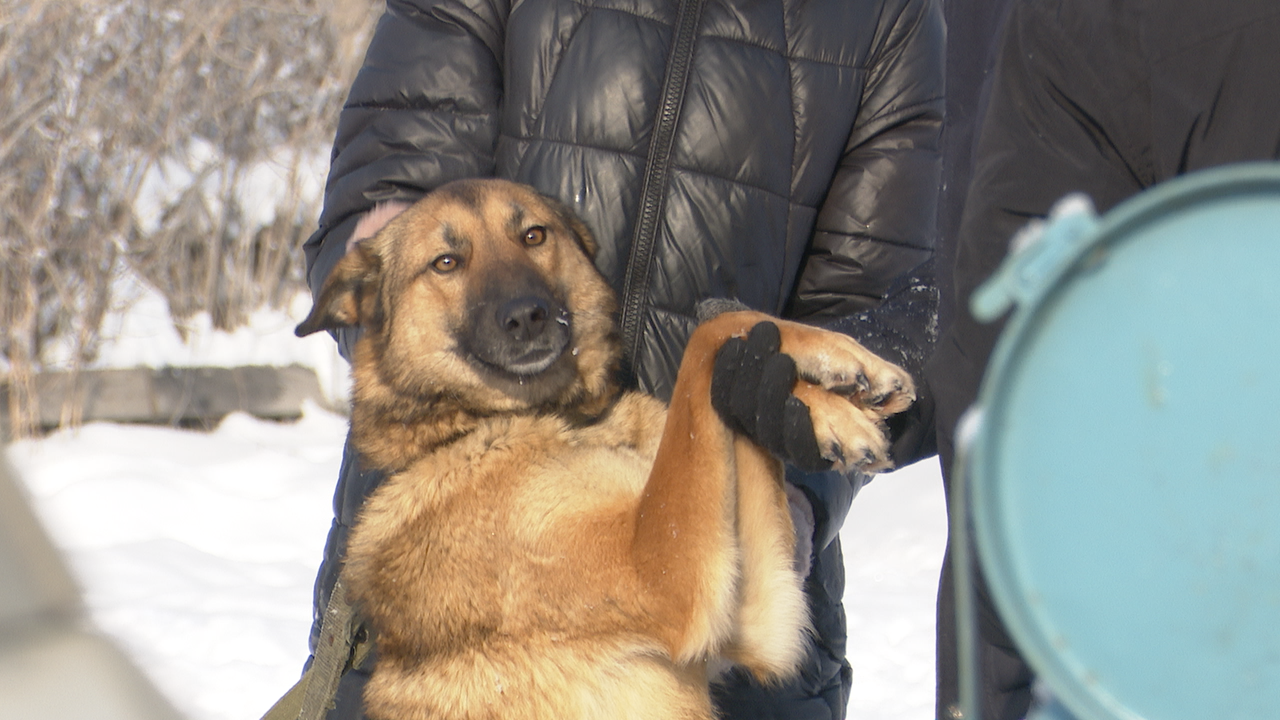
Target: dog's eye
pixel 535 235
pixel 446 263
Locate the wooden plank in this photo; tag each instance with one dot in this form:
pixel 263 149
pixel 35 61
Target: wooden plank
pixel 171 396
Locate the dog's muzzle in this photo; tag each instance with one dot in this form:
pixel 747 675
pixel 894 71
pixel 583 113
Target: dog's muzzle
pixel 523 335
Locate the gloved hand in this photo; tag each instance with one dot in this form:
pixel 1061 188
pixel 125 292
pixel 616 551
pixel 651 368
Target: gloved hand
pixel 751 389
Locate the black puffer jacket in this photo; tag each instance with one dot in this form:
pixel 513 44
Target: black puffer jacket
pixel 779 152
pixel 797 173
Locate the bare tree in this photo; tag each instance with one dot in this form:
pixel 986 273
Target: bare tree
pixel 138 136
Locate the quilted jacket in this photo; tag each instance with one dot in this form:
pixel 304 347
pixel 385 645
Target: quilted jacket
pixel 782 153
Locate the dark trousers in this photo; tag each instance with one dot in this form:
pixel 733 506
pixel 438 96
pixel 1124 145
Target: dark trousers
pixel 1004 678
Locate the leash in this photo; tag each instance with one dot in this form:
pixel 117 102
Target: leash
pixel 344 643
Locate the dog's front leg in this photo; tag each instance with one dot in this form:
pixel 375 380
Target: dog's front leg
pixel 683 547
pixel 771 619
pixel 686 544
pixel 713 541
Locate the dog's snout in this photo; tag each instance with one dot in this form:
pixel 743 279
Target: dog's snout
pixel 524 318
pixel 523 333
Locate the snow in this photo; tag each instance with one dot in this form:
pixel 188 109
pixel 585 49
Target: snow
pixel 197 550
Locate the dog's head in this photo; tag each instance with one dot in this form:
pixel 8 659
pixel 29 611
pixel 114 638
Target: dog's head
pixel 483 295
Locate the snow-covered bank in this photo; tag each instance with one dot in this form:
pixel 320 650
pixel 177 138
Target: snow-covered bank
pixel 196 551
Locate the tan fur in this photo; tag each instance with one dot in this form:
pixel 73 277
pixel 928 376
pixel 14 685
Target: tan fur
pixel 548 547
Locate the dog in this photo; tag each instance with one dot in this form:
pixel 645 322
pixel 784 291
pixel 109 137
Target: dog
pixel 547 546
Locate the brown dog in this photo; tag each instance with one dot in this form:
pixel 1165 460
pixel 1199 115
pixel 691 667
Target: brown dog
pixel 546 546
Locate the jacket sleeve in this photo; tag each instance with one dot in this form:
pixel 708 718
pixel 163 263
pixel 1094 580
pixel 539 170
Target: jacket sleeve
pixel 903 329
pixel 422 111
pixel 869 271
pixel 1066 114
pixel 878 220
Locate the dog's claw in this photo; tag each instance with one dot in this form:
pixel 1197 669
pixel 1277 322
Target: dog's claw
pixel 835 455
pixel 868 458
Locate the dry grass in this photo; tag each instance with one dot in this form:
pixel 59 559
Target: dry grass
pixel 137 135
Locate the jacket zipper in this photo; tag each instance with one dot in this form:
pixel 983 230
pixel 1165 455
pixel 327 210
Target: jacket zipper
pixel 653 192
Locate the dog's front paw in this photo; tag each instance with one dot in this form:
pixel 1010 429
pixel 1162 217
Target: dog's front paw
pixel 815 398
pixel 839 364
pixel 850 436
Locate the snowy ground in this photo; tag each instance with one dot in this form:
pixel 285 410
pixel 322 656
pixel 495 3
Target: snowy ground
pixel 197 550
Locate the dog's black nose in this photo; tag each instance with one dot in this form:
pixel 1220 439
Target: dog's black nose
pixel 524 318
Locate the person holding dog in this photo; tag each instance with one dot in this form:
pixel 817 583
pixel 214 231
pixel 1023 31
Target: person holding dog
pixel 778 155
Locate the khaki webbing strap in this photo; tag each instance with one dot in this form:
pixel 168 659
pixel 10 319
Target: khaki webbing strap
pixel 342 646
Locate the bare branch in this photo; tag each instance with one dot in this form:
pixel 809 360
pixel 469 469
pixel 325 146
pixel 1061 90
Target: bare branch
pixel 134 136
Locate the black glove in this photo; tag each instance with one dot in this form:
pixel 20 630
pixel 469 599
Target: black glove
pixel 751 389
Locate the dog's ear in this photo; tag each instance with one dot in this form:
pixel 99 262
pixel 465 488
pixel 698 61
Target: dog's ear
pixel 349 295
pixel 581 233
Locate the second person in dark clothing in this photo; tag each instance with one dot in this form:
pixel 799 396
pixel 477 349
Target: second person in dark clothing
pixel 1107 98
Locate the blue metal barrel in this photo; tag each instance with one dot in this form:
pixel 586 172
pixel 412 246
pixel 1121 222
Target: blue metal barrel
pixel 1123 462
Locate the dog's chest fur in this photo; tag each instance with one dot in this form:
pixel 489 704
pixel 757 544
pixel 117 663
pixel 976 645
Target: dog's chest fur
pixel 479 540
